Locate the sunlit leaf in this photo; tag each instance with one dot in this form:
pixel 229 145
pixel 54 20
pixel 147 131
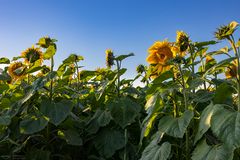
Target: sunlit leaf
pixel 175 127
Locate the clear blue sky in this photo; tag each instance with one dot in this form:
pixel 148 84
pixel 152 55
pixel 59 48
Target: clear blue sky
pixel 89 27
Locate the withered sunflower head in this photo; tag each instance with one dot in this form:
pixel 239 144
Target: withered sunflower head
pixel 32 54
pixel 109 58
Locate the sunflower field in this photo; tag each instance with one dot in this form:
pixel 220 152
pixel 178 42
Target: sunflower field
pixel 188 107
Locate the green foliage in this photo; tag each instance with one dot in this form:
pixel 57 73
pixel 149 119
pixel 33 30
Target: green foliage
pixel 179 113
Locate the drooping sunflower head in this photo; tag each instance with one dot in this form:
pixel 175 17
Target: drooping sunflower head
pixel 231 71
pixel 32 54
pixel 16 70
pixel 109 58
pixel 225 31
pixel 182 41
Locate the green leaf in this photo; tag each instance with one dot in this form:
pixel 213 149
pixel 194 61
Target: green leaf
pixel 101 118
pixel 175 127
pixel 72 137
pixel 124 111
pixel 4 60
pixel 122 57
pixel 205 43
pixel 38 154
pixel 50 52
pixel 223 93
pixel 34 69
pixel 219 65
pixel 72 59
pixel 152 107
pixel 108 141
pixel 33 123
pixel 56 112
pixel 217 152
pixel 5 120
pixel 154 151
pixel 205 120
pixel 225 125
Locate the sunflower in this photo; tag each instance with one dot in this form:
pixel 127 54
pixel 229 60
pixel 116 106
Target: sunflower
pixel 16 70
pixel 225 31
pixel 231 71
pixel 159 54
pixel 182 41
pixel 109 58
pixel 32 54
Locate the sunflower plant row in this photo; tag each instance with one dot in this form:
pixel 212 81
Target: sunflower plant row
pixel 188 107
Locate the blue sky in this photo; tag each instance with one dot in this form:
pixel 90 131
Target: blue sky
pixel 89 27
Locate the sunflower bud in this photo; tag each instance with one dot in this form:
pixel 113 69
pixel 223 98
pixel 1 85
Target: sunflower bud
pixel 109 58
pixel 225 31
pixel 182 41
pixel 140 69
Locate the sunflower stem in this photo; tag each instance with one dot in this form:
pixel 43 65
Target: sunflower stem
pixel 51 83
pixel 118 77
pixel 126 139
pixel 232 42
pixel 186 108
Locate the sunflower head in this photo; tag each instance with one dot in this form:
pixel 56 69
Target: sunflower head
pixel 225 31
pixel 159 55
pixel 16 70
pixel 140 69
pixel 231 71
pixel 32 54
pixel 182 41
pixel 109 58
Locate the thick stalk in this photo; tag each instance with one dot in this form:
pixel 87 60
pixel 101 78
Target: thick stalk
pixel 118 78
pixel 186 108
pixel 193 59
pixel 78 75
pixel 51 83
pixel 238 68
pixel 126 139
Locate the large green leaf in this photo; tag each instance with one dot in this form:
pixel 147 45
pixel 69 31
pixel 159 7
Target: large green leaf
pixel 56 112
pixel 221 64
pixel 5 120
pixel 217 152
pixel 223 93
pixel 108 141
pixel 101 118
pixel 175 127
pixel 225 125
pixel 155 151
pixel 50 52
pixel 122 57
pixel 72 137
pixel 72 59
pixel 205 120
pixel 33 123
pixel 124 111
pixel 152 107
